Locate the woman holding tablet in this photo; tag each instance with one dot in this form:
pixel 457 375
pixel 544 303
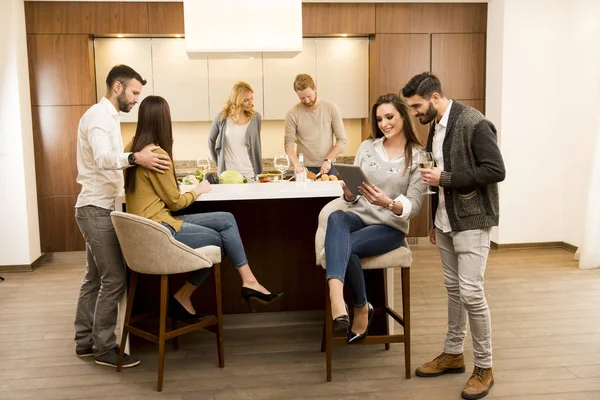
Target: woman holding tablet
pixel 377 220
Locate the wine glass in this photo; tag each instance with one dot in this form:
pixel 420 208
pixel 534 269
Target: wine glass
pixel 281 163
pixel 203 165
pixel 425 160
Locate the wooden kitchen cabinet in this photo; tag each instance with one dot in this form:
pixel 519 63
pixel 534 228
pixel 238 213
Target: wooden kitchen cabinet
pixel 279 75
pixel 459 61
pixel 223 74
pixel 181 81
pixel 137 53
pixel 338 18
pixel 55 60
pixel 343 74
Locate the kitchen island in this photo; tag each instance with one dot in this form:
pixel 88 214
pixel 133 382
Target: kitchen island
pixel 277 223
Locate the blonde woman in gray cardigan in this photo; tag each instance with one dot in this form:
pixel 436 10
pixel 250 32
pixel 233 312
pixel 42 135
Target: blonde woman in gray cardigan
pixel 234 138
pixel 377 220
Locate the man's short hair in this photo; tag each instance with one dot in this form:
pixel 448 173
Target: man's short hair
pixel 303 81
pixel 424 85
pixel 123 74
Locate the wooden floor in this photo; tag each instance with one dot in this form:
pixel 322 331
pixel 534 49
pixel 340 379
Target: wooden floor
pixel 546 337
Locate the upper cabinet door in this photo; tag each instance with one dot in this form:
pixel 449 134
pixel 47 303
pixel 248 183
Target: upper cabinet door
pixel 136 53
pixel 279 75
pixel 459 61
pixel 61 70
pixel 223 74
pixel 181 81
pixel 343 74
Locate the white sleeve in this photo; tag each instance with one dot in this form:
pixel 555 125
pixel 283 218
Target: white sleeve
pixel 104 154
pixel 406 206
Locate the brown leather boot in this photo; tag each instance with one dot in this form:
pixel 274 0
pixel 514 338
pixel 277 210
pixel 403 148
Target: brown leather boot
pixel 442 364
pixel 479 384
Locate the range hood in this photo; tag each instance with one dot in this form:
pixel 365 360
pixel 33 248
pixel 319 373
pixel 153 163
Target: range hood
pixel 243 29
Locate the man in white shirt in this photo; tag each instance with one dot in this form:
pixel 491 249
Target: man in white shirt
pixel 312 124
pixel 469 166
pixel 100 161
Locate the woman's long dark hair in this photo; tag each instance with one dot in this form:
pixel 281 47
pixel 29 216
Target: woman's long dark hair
pixel 153 127
pixel 408 127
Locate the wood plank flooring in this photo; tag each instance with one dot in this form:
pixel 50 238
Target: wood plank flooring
pixel 546 337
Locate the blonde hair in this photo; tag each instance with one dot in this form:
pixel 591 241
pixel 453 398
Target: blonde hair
pixel 303 81
pixel 232 107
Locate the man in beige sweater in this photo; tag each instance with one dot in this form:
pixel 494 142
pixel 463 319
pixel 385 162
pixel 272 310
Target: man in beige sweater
pixel 312 124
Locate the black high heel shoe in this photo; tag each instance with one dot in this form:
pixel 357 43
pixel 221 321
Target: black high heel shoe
pixel 180 312
pixel 354 337
pixel 251 294
pixel 341 323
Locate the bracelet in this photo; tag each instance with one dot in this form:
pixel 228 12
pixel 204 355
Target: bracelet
pixel 391 206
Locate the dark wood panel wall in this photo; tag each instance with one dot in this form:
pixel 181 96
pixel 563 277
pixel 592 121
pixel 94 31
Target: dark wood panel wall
pixel 407 38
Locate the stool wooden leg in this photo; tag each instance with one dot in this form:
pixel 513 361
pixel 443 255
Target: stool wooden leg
pixel 323 334
pixel 175 340
pixel 130 297
pixel 216 273
pixel 406 317
pixel 387 325
pixel 164 288
pixel 328 333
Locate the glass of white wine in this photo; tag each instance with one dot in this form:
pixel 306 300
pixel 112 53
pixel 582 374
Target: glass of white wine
pixel 281 162
pixel 425 161
pixel 203 165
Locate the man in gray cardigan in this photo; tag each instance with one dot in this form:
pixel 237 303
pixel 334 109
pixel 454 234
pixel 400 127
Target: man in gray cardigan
pixel 468 166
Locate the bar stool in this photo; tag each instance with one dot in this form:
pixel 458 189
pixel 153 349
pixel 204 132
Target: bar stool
pixel 149 248
pixel 398 258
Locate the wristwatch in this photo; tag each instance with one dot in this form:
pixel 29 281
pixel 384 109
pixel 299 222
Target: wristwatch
pixel 391 206
pixel 329 161
pixel 131 159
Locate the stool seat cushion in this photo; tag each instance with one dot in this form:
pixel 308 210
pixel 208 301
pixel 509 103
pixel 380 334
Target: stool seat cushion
pixel 212 252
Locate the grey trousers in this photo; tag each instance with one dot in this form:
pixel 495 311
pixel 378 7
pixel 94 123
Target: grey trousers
pixel 103 284
pixel 464 257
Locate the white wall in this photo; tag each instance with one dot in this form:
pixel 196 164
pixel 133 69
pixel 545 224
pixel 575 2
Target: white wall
pixel 545 119
pixel 19 231
pixel 582 105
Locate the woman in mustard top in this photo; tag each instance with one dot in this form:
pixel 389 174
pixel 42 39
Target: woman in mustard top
pixel 154 195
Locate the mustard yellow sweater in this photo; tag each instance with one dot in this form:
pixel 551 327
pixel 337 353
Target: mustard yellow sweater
pixel 156 195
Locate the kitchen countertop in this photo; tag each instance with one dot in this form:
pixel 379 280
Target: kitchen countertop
pixel 262 191
pixel 274 190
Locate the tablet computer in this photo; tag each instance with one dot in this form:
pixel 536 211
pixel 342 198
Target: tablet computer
pixel 352 175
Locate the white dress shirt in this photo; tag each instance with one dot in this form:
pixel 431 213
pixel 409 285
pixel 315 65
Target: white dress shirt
pixel 441 216
pixel 100 156
pixel 406 204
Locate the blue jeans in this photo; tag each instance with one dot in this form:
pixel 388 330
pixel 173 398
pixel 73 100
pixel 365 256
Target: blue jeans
pixel 348 240
pixel 211 229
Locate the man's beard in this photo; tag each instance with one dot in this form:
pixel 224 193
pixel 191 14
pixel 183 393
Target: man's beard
pixel 312 103
pixel 124 105
pixel 429 115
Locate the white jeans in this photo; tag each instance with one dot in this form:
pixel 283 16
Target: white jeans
pixel 464 256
